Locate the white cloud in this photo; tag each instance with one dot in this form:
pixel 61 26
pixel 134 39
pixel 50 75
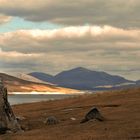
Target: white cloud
pixel 74 32
pixel 97 47
pixel 16 55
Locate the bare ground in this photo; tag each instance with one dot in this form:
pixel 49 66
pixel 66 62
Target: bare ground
pixel 120 108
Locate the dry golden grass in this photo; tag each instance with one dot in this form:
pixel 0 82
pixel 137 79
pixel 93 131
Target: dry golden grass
pixel 120 108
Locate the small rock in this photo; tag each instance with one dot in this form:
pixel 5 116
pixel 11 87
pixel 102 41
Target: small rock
pixel 20 118
pixel 9 132
pixel 51 120
pixel 73 119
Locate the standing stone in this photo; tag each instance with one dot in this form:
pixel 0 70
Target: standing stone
pixel 8 120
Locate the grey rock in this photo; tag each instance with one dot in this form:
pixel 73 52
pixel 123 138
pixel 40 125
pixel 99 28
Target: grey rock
pixel 51 120
pixel 93 114
pixel 8 119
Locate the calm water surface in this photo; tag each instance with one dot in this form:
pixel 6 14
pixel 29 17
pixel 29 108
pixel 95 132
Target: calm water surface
pixel 29 98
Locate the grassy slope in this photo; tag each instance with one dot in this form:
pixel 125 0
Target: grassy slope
pixel 120 108
pixel 18 85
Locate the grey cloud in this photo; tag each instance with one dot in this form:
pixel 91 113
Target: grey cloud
pixel 77 12
pixel 55 62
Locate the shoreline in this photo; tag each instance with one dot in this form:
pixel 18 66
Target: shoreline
pixel 17 99
pixel 45 93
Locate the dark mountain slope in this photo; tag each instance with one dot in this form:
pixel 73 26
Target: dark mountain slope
pixel 42 76
pixel 82 78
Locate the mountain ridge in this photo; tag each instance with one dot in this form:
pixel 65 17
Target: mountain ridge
pixel 84 79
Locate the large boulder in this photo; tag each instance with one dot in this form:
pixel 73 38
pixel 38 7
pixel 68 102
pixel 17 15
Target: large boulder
pixel 94 113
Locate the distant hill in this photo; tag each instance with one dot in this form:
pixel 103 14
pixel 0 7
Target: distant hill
pixel 42 76
pixel 83 79
pixel 138 82
pixel 30 78
pixel 19 85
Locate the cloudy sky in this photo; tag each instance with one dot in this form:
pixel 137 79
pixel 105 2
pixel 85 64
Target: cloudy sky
pixel 54 35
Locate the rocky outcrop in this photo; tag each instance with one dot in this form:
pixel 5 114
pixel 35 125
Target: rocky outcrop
pixel 8 120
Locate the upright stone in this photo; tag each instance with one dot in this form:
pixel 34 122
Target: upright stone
pixel 8 120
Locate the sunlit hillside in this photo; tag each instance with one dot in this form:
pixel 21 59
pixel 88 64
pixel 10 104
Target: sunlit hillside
pixel 18 85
